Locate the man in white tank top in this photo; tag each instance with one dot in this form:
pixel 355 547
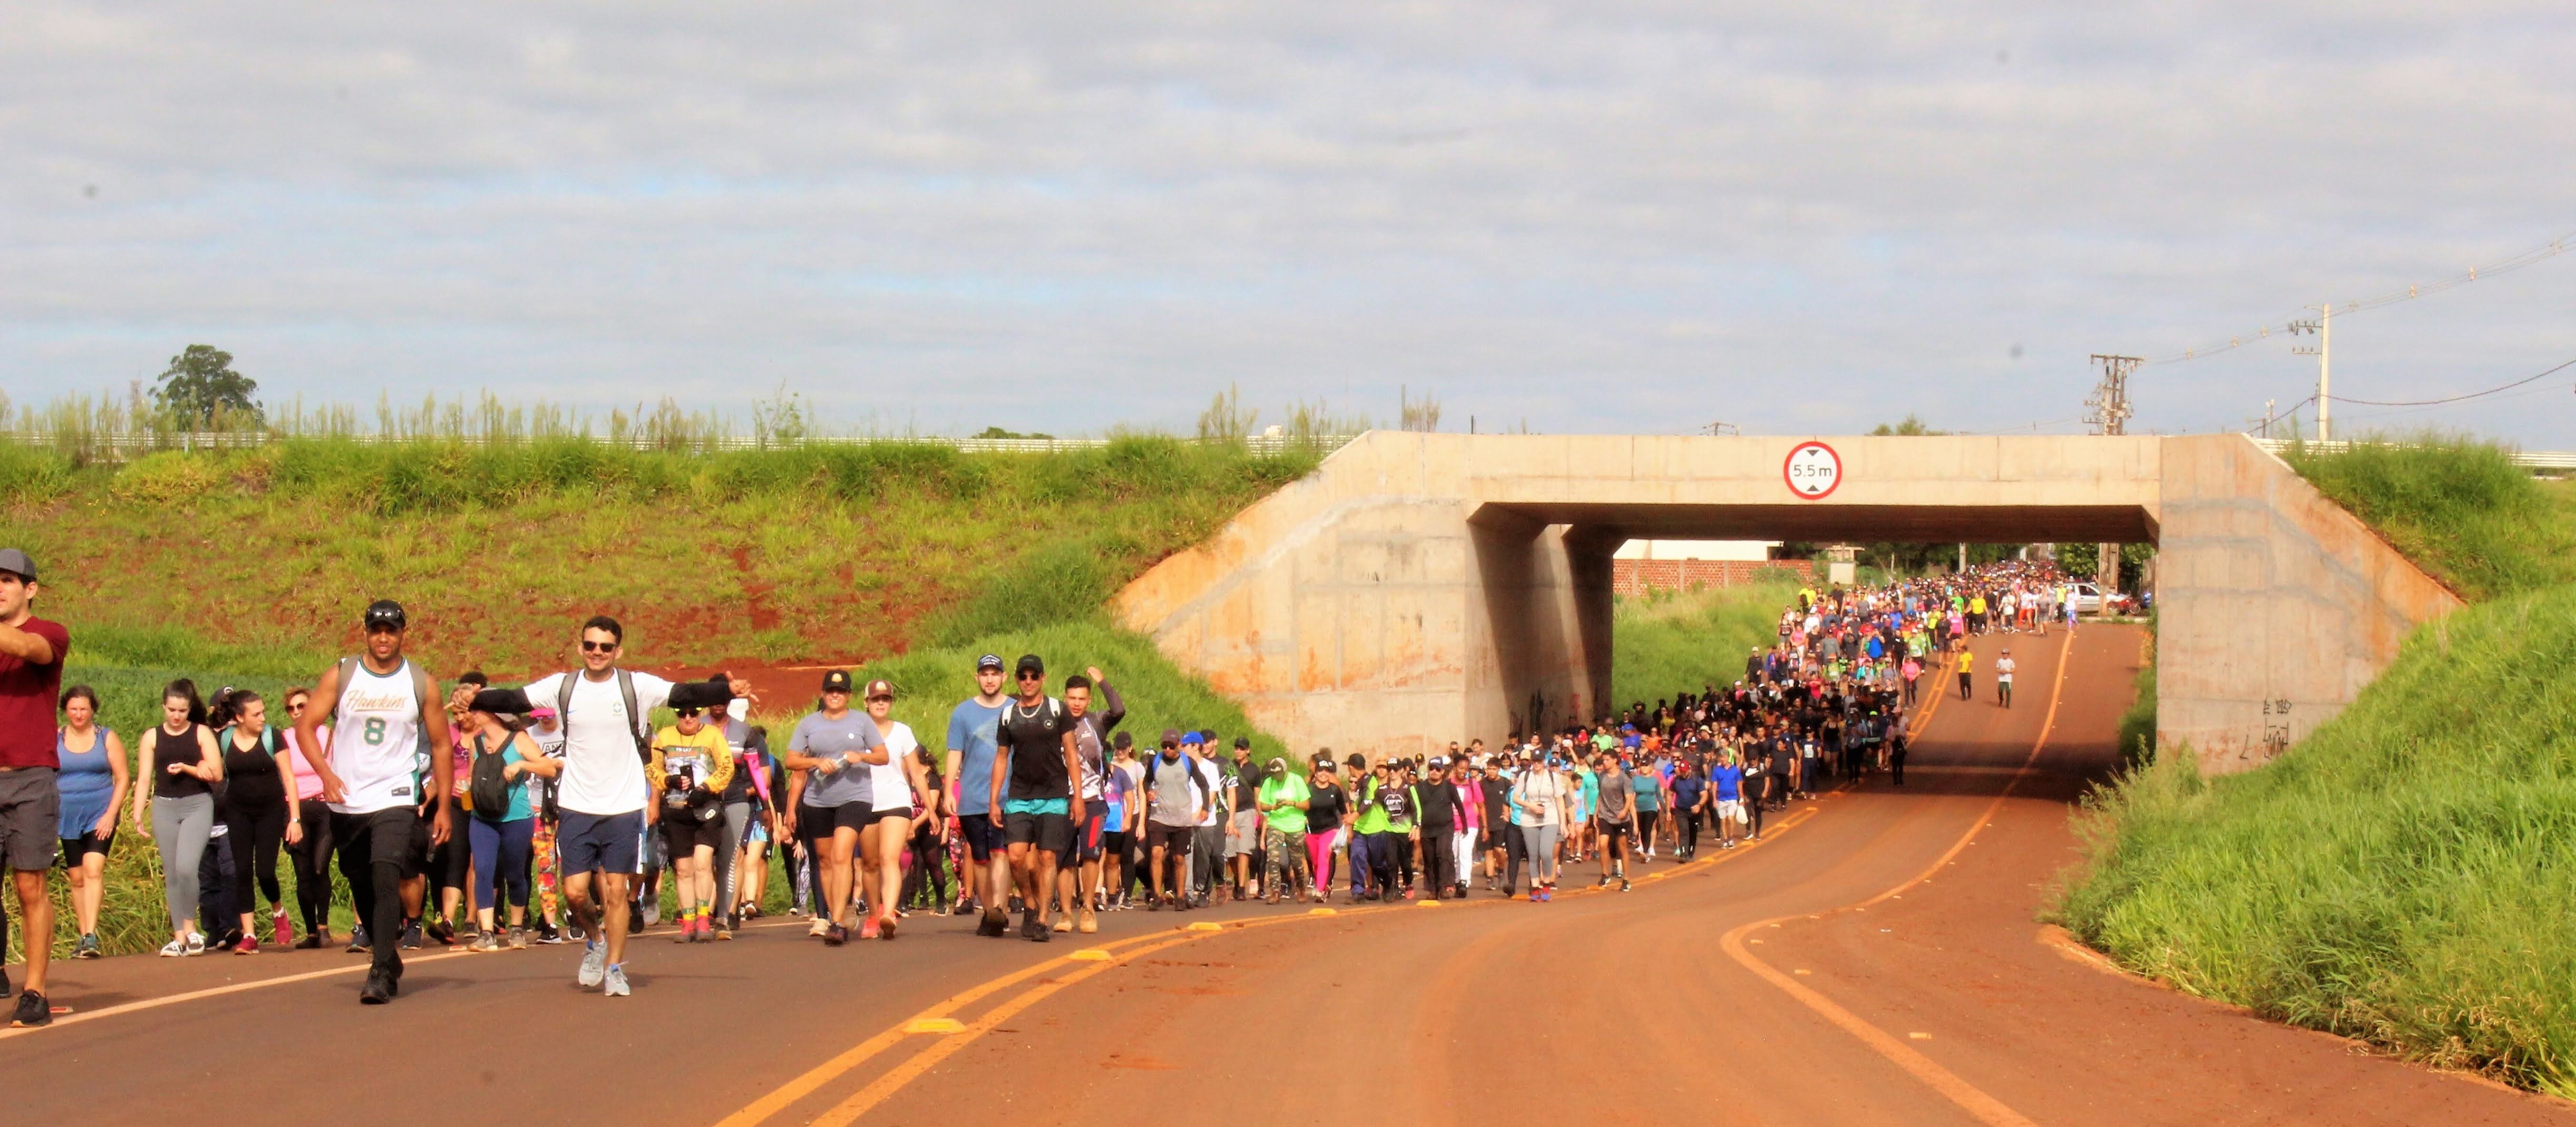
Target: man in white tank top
pixel 382 706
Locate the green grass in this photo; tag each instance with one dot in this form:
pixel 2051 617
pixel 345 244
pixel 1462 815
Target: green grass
pixel 2403 875
pixel 1665 642
pixel 817 553
pixel 2459 508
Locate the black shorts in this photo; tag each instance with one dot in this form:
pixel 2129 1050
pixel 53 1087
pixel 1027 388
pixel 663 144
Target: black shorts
pixel 1086 837
pixel 1050 832
pixel 1613 834
pixel 1173 840
pixel 982 836
pixel 683 833
pixel 75 848
pixel 814 823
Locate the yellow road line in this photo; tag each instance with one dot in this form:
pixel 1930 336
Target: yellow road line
pixel 1975 1101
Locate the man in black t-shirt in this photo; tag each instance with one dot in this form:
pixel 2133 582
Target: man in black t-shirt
pixel 1034 801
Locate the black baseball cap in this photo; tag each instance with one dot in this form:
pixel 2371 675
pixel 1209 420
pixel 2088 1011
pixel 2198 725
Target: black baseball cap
pixel 837 681
pixel 1031 663
pixel 1243 743
pixel 385 614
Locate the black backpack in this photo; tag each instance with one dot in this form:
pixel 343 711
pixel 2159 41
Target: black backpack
pixel 488 788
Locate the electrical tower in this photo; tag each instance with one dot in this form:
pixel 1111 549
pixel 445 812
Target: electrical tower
pixel 2110 402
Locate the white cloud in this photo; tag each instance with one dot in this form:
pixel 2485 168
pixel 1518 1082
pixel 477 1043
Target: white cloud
pixel 1598 217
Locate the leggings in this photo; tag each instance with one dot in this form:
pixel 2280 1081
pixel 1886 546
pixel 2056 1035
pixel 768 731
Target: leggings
pixel 737 819
pixel 449 867
pixel 1515 853
pixel 1541 843
pixel 501 852
pixel 1319 859
pixel 179 827
pixel 541 855
pixel 311 859
pixel 1438 869
pixel 256 836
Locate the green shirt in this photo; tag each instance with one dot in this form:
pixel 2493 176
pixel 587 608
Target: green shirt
pixel 1285 788
pixel 1372 819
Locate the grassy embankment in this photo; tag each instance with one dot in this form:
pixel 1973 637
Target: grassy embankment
pixel 248 568
pixel 1663 643
pixel 2402 875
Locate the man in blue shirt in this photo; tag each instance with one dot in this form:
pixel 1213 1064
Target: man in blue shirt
pixel 1727 778
pixel 971 739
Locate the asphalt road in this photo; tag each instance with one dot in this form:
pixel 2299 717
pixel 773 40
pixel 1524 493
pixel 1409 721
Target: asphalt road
pixel 1876 959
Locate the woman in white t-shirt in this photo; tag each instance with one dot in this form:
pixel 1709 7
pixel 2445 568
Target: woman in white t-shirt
pixel 893 786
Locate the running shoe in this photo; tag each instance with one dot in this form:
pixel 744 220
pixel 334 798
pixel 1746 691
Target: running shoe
pixel 249 945
pixel 358 943
pixel 378 990
pixel 1066 925
pixel 88 948
pixel 886 929
pixel 484 944
pixel 614 985
pixel 818 928
pixel 33 1011
pixel 995 924
pixel 439 930
pixel 411 937
pixel 312 941
pixel 279 931
pixel 518 939
pixel 653 911
pixel 174 948
pixel 196 944
pixel 594 963
pixel 1623 885
pixel 723 934
pixel 835 935
pixel 868 928
pixel 572 930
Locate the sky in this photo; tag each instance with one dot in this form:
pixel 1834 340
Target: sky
pixel 1570 217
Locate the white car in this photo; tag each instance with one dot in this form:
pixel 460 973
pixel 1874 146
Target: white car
pixel 2088 600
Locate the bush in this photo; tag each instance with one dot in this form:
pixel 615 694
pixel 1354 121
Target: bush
pixel 1665 642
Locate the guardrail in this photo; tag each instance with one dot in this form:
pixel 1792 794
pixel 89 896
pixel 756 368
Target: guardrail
pixel 118 447
pixel 2528 459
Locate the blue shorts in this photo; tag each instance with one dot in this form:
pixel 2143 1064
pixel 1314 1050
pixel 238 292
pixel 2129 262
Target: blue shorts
pixel 609 843
pixel 982 836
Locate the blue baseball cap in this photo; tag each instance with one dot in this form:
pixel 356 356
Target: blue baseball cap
pixel 1191 739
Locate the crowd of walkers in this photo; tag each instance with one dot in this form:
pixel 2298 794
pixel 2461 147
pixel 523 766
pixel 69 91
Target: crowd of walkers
pixel 494 817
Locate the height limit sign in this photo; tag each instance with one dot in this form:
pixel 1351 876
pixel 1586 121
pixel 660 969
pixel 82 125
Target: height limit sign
pixel 1813 470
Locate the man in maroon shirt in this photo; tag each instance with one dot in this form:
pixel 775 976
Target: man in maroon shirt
pixel 31 672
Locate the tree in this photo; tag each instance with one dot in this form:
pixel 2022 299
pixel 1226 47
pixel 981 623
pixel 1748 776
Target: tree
pixel 202 385
pixel 1911 425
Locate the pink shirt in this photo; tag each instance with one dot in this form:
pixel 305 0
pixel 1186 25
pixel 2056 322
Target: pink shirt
pixel 307 784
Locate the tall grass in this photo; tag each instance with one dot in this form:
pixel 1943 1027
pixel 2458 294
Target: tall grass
pixel 1662 643
pixel 2456 506
pixel 2403 875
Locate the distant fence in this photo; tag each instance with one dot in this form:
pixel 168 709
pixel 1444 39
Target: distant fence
pixel 2528 459
pixel 1636 577
pixel 119 447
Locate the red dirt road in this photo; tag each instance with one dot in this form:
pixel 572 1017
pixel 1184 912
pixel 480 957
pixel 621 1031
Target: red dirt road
pixel 1938 1004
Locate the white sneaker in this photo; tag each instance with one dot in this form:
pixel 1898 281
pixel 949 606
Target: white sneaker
pixel 174 949
pixel 196 944
pixel 594 965
pixel 616 983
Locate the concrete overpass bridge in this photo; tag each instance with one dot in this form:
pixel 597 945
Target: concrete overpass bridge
pixel 1420 588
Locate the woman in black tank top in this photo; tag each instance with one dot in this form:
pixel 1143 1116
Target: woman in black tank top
pixel 259 811
pixel 176 811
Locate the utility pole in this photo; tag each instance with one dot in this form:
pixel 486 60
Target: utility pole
pixel 2323 326
pixel 2110 404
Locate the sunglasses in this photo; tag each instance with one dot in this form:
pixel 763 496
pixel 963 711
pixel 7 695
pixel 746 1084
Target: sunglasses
pixel 686 713
pixel 591 647
pixel 1033 676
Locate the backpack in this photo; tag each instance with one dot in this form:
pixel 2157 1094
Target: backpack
pixel 625 688
pixel 487 791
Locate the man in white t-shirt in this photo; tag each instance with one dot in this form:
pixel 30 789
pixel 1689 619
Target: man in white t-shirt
pixel 603 795
pixel 2003 679
pixel 383 710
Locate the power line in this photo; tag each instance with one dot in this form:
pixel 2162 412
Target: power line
pixel 2550 249
pixel 2455 398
